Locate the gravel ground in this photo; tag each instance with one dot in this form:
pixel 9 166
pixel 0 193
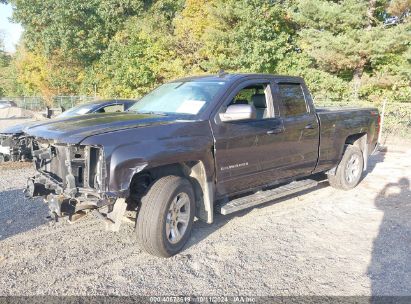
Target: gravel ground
pixel 323 242
pixel 5 123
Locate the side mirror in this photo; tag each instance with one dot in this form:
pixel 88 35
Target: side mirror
pixel 238 112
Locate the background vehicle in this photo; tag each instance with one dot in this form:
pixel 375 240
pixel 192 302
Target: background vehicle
pixel 195 146
pixel 13 145
pixel 7 104
pixel 99 106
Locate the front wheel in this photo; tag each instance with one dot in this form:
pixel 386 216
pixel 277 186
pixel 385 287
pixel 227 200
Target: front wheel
pixel 349 170
pixel 166 216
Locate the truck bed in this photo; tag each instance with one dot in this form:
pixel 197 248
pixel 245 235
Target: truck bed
pixel 342 109
pixel 337 123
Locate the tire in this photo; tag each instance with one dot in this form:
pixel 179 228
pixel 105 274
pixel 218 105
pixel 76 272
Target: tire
pixel 349 170
pixel 160 230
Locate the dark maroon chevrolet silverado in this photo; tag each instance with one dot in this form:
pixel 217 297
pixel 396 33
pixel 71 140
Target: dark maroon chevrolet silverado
pixel 193 147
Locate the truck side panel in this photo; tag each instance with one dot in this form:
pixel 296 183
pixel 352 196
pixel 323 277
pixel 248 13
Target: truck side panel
pixel 337 126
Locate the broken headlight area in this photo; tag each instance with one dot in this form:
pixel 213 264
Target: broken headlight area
pixel 15 147
pixel 71 178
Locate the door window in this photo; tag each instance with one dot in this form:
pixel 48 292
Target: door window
pixel 292 99
pixel 258 96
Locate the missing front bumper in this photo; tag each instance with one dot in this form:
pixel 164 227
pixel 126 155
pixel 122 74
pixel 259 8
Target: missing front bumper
pixel 66 204
pixel 72 181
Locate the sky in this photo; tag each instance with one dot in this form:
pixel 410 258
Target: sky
pixel 11 32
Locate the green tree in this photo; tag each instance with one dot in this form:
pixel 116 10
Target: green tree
pixel 399 8
pixel 139 57
pixel 81 30
pixel 232 35
pixel 349 39
pixel 5 77
pixel 124 48
pixel 32 73
pixel 249 36
pixel 170 41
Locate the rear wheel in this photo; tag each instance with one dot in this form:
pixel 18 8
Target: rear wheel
pixel 166 216
pixel 349 170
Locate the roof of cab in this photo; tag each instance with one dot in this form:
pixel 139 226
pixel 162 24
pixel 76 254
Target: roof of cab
pixel 228 77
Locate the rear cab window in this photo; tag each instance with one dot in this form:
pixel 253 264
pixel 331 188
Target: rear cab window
pixel 292 99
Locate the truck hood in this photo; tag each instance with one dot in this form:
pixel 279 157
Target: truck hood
pixel 75 129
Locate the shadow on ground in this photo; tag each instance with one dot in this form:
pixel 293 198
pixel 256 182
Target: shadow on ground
pixel 18 214
pixel 373 160
pixel 202 230
pixel 390 267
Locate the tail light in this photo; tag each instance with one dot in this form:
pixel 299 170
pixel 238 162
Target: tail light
pixel 378 127
pixel 378 124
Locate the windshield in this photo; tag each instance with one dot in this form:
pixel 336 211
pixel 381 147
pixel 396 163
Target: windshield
pixel 178 98
pixel 77 110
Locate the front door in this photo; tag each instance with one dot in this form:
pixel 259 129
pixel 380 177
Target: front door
pixel 243 147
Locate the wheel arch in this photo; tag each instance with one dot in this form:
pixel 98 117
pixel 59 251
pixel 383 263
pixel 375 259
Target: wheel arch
pixel 195 172
pixel 359 140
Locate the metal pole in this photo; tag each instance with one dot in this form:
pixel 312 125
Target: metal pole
pixel 382 120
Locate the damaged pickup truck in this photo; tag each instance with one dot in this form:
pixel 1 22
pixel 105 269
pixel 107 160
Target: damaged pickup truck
pixel 196 146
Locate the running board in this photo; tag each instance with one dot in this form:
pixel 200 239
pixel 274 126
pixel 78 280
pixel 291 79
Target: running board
pixel 262 197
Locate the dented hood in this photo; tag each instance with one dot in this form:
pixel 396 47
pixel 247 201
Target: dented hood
pixel 75 129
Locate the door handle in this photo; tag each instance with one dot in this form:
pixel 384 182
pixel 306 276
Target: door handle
pixel 309 126
pixel 275 131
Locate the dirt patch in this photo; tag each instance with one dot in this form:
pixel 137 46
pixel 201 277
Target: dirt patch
pixel 6 123
pixel 15 165
pixel 15 112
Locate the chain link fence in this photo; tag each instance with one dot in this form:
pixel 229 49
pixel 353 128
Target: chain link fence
pixel 36 103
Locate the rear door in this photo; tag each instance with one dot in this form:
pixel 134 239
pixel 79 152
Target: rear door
pixel 301 130
pixel 243 147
